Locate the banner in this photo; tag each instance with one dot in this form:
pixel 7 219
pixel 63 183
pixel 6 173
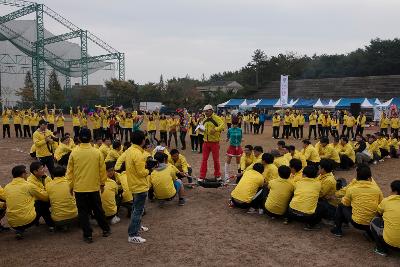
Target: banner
pixel 284 89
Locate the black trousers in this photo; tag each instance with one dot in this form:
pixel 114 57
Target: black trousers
pixel 49 162
pixel 377 226
pixel 164 136
pixel 394 131
pixel 128 132
pixel 301 128
pixel 89 203
pixel 6 128
pixel 256 203
pixel 76 131
pixel 194 141
pixel 60 130
pixel 384 152
pixel 343 215
pixel 344 129
pixel 295 132
pixel 335 133
pixel 350 129
pixel 256 128
pixel 200 142
pixel 312 219
pixel 393 152
pixel 320 130
pixel 327 211
pixel 384 131
pixel 359 130
pixel 275 132
pixel 43 210
pixel 262 126
pixel 346 162
pixel 312 128
pixel 50 126
pixel 182 137
pixel 33 129
pixel 18 130
pixel 286 131
pixel 27 131
pixel 170 134
pixel 325 131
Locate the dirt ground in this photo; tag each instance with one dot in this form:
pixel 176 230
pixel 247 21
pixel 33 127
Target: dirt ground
pixel 203 232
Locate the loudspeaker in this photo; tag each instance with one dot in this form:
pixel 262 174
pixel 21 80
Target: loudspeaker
pixel 355 109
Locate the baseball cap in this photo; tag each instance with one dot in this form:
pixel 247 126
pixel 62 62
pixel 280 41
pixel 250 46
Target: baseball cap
pixel 208 107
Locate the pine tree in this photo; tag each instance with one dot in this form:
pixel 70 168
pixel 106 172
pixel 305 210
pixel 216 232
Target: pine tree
pixel 55 94
pixel 26 93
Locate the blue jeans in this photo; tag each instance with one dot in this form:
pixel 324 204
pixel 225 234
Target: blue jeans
pixel 139 200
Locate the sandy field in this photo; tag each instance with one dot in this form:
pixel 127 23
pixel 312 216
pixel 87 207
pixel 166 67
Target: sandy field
pixel 203 232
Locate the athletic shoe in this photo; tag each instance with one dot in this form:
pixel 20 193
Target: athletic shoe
pixel 88 239
pixel 200 180
pixel 375 162
pixel 260 211
pixel 310 227
pixel 51 229
pixel 252 211
pixel 380 252
pixel 337 232
pixel 328 222
pixel 136 240
pixel 19 235
pixel 181 202
pixel 381 160
pixel 115 220
pixel 106 233
pixel 285 221
pixel 144 228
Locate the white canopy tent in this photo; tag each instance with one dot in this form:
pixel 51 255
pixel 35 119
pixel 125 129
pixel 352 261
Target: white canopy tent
pixel 318 104
pixel 366 104
pixel 222 104
pixel 278 104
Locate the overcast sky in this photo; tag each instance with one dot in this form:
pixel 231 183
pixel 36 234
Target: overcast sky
pixel 179 37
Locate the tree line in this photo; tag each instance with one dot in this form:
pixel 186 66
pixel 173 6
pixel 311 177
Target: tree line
pixel 379 57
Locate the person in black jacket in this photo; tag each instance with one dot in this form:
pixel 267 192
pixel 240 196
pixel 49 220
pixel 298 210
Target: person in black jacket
pixel 362 154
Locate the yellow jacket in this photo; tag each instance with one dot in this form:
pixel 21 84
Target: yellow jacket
pixel 181 164
pixel 63 205
pixel 162 181
pixel 395 123
pixel 43 149
pixel 248 186
pixel 306 194
pixel 390 210
pixel 86 170
pixel 20 197
pixel 311 154
pixel 122 180
pixel 136 170
pixel 361 120
pixel 276 121
pixel 108 201
pixel 61 150
pixel 41 183
pixel 213 123
pixel 113 155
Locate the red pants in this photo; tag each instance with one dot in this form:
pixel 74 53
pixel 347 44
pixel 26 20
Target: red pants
pixel 212 147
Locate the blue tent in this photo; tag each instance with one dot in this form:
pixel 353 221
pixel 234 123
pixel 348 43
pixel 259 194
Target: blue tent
pixel 305 103
pixel 346 102
pixel 234 103
pixel 267 103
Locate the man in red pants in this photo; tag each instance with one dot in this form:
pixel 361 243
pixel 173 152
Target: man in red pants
pixel 213 126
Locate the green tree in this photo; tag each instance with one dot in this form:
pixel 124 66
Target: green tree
pixel 55 93
pixel 26 94
pixel 124 93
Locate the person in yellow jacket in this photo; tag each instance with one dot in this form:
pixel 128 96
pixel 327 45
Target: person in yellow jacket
pixel 76 120
pixel 295 154
pixel 17 120
pixel 152 129
pixel 385 228
pixel 384 124
pixel 347 154
pixel 384 146
pixel 109 194
pixel 350 122
pixel 59 120
pixel 334 126
pixel 34 121
pixel 6 118
pixel 105 147
pixel 296 169
pixel 312 125
pixel 26 118
pixel 287 121
pixel 63 204
pixel 138 184
pixel 248 194
pixel 172 124
pixel 394 125
pixel 86 174
pixel 394 145
pixel 163 127
pixel 50 117
pixel 114 153
pixel 360 123
pixel 327 151
pixel 180 162
pixel 280 193
pixel 302 121
pixel 62 152
pixel 3 208
pixel 20 197
pixel 325 122
pixel 295 126
pixel 303 206
pixel 310 153
pixel 327 200
pixel 43 140
pixel 276 122
pixel 247 158
pixel 213 126
pixel 373 149
pixel 164 182
pixel 360 203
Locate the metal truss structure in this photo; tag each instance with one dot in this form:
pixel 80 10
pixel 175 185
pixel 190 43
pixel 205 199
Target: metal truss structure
pixel 43 56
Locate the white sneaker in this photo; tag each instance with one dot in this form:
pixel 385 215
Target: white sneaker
pixel 252 211
pixel 260 211
pixel 115 220
pixel 144 228
pixel 136 239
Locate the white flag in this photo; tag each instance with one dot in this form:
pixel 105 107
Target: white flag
pixel 284 89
